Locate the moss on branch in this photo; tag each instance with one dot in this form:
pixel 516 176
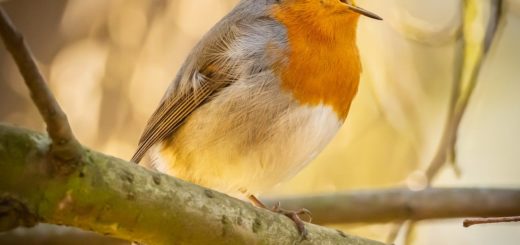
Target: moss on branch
pixel 117 198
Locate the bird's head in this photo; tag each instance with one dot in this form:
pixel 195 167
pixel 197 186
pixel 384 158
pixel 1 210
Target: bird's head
pixel 327 16
pixel 328 7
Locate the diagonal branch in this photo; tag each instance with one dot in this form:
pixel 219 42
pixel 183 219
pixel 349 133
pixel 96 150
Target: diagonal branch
pixel 65 149
pixel 117 198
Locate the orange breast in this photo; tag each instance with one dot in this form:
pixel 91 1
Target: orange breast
pixel 323 65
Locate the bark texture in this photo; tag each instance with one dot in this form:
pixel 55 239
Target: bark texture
pixel 118 198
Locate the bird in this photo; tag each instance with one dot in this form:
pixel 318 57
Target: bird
pixel 258 97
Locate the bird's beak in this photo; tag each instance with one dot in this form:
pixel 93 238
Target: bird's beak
pixel 363 12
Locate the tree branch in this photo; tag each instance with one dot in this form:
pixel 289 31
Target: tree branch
pixel 479 221
pixel 474 53
pixel 402 204
pixel 117 198
pixel 65 150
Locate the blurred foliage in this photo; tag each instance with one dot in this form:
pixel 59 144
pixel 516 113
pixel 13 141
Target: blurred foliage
pixel 110 61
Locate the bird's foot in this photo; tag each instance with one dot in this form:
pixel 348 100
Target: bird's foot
pixel 293 215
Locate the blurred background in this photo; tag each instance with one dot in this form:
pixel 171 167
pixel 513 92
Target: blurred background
pixel 109 62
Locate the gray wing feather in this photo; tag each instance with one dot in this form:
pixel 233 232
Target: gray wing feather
pixel 168 117
pixel 206 71
pixel 205 78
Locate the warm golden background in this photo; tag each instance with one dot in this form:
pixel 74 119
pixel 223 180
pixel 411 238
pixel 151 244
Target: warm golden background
pixel 109 61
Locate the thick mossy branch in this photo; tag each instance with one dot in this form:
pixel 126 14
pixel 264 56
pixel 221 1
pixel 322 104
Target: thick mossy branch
pixel 117 198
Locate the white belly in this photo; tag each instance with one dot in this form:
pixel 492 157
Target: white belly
pixel 238 161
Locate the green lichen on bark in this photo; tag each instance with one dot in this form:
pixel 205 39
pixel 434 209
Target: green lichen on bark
pixel 117 198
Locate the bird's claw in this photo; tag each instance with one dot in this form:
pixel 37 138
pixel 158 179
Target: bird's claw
pixel 295 217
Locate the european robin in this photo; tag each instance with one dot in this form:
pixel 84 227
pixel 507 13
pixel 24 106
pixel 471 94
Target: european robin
pixel 258 97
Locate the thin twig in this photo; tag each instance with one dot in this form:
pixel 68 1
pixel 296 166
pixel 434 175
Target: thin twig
pixel 458 104
pixel 394 231
pixel 461 96
pixel 411 231
pixel 478 221
pixel 65 149
pixel 390 205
